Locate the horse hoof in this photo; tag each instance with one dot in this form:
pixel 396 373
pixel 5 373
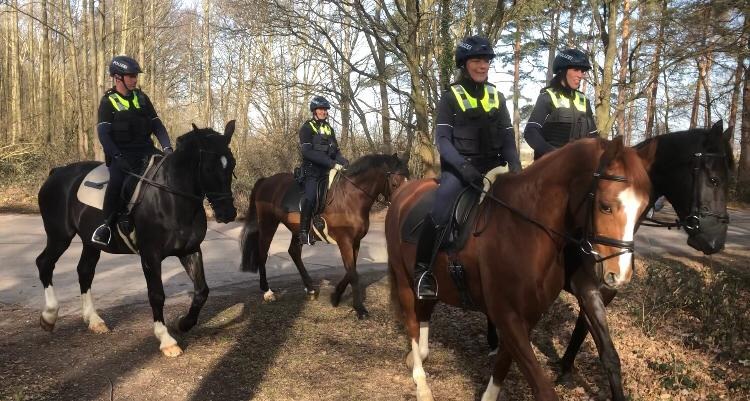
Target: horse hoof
pixel 409 361
pixel 46 326
pixel 363 314
pixel 99 328
pixel 172 351
pixel 311 294
pixel 335 299
pixel 269 296
pixel 424 394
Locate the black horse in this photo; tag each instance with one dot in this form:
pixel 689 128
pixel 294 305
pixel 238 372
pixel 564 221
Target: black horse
pixel 691 170
pixel 169 221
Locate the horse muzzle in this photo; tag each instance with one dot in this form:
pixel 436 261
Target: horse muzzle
pixel 709 236
pixel 224 210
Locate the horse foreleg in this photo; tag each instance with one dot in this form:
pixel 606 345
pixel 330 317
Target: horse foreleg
pixel 86 269
pixel 152 271
pixel 349 253
pixel 193 265
pixel 595 309
pixel 295 251
pixel 515 331
pixel 502 366
pixel 45 263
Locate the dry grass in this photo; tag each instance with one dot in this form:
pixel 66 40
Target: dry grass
pixel 296 349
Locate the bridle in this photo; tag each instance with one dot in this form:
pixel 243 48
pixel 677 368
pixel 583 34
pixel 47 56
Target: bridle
pixel 375 197
pixel 212 197
pixel 697 211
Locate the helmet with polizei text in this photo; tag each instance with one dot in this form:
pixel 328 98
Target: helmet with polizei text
pixel 319 102
pixel 570 58
pixel 122 65
pixel 473 47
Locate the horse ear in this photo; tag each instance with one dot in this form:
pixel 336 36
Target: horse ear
pixel 195 127
pixel 647 153
pixel 229 130
pixel 718 128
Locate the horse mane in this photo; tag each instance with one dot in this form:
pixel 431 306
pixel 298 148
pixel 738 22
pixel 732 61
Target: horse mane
pixel 368 162
pixel 681 145
pixel 196 136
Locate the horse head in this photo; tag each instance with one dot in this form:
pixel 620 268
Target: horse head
pixel 207 154
pixel 619 195
pixel 692 170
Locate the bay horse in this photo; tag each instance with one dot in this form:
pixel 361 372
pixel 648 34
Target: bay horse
pixel 347 214
pixel 169 221
pixel 691 169
pixel 513 262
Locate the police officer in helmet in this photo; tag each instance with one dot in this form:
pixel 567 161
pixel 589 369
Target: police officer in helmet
pixel 320 154
pixel 127 120
pixel 474 135
pixel 562 113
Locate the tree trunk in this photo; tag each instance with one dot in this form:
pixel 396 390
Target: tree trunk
pixel 124 34
pixel 653 87
pixel 736 95
pixel 46 77
pixel 696 100
pixel 622 87
pixel 15 80
pixel 604 120
pixel 743 168
pixel 553 42
pixel 207 55
pixel 517 85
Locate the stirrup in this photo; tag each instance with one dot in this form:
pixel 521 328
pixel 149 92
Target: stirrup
pixel 426 286
pixel 306 239
pixel 105 235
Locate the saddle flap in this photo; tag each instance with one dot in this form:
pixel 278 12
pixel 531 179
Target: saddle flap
pixel 94 185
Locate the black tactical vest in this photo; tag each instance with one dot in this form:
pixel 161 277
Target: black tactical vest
pixel 131 128
pixel 568 121
pixel 475 131
pixel 322 138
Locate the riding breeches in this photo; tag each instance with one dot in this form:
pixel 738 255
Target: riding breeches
pixel 447 193
pixel 113 196
pixel 310 187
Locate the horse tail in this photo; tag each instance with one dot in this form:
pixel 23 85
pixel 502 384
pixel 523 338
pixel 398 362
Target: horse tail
pixel 250 235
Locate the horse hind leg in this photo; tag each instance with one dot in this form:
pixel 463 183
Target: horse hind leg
pixel 295 251
pixel 266 231
pixel 45 263
pixel 86 270
pixel 499 372
pixel 414 330
pixel 193 265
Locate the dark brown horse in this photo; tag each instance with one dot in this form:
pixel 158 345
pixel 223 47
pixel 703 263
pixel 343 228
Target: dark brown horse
pixel 347 214
pixel 514 268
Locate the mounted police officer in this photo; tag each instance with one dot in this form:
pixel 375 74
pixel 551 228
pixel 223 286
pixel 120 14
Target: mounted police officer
pixel 562 113
pixel 474 135
pixel 320 153
pixel 126 121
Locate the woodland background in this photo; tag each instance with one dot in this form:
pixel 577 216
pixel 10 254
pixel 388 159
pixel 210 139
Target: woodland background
pixel 659 66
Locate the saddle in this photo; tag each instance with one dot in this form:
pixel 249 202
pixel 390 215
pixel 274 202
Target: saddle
pixel 94 185
pixel 292 203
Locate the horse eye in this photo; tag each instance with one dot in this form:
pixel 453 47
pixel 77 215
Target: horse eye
pixel 715 181
pixel 605 208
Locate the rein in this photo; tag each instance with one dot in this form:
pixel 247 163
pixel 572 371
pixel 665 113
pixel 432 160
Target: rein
pixel 374 198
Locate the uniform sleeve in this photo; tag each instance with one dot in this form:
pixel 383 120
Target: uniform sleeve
pixel 446 117
pixel 509 152
pixel 340 159
pixel 308 153
pixel 532 133
pixel 104 127
pixel 594 131
pixel 157 126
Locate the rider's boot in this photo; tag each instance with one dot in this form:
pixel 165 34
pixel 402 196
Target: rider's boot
pixel 304 224
pixel 424 281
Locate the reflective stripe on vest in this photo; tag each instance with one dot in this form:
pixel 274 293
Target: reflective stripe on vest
pixel 561 101
pixel 120 103
pixel 465 101
pixel 324 129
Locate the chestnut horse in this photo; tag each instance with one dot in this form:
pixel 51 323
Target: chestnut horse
pixel 513 262
pixel 347 214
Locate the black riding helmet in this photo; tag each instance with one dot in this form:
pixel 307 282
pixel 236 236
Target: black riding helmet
pixel 473 47
pixel 319 102
pixel 570 58
pixel 122 65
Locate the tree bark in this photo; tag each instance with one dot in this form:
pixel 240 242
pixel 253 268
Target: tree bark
pixel 622 87
pixel 553 42
pixel 604 120
pixel 207 55
pixel 517 85
pixel 653 83
pixel 46 77
pixel 743 168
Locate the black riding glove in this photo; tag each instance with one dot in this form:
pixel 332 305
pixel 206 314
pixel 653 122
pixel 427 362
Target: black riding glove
pixel 470 174
pixel 123 163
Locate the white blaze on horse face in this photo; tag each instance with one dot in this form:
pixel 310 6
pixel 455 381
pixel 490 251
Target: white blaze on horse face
pixel 224 162
pixel 631 203
pixel 492 391
pixel 49 313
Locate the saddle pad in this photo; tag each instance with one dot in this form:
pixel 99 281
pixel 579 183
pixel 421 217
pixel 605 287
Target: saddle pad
pixel 94 185
pixel 322 231
pixel 293 196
